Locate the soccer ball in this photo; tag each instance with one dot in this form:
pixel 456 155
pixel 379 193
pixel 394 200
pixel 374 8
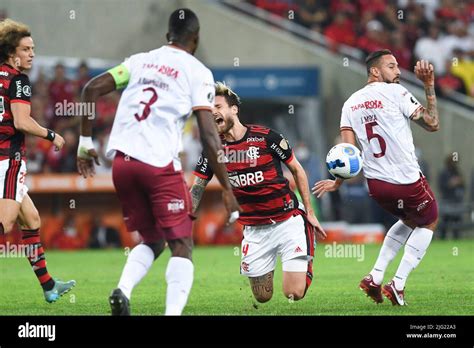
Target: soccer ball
pixel 344 161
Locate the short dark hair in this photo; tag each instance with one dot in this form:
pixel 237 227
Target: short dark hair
pixel 229 95
pixel 182 24
pixel 374 58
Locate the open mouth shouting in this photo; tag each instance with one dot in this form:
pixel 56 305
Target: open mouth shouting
pixel 219 120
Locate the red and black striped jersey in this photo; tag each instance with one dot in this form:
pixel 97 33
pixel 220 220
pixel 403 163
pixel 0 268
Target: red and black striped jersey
pixel 254 168
pixel 14 88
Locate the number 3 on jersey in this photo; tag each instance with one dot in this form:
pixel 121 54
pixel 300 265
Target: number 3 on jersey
pixel 147 109
pixel 369 127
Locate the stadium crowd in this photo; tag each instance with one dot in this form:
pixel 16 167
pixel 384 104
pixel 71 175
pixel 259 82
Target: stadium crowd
pixel 441 31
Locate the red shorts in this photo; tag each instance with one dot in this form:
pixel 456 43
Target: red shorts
pixel 415 202
pixel 155 201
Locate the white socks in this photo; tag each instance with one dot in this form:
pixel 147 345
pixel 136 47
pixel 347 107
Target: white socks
pixel 179 276
pixel 138 263
pixel 415 249
pixel 394 240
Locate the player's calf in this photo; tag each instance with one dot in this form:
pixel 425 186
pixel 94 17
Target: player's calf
pixel 262 287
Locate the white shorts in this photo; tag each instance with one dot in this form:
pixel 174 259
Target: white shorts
pixel 292 239
pixel 12 180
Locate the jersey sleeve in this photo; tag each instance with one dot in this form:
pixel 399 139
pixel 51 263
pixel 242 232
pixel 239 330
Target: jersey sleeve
pixel 203 169
pixel 203 91
pixel 407 103
pixel 345 119
pixel 279 146
pixel 20 89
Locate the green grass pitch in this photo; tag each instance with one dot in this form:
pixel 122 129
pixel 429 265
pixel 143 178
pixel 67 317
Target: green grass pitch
pixel 442 285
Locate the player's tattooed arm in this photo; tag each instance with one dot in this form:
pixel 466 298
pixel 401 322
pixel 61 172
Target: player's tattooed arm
pixel 262 287
pixel 197 191
pixel 428 117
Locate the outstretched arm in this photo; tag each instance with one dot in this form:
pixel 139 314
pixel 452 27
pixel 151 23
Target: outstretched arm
pixel 323 186
pixel 301 181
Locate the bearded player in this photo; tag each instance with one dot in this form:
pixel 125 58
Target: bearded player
pixel 16 206
pixel 274 224
pixel 379 116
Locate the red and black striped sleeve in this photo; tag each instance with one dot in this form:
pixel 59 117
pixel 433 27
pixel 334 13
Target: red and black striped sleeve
pixel 20 89
pixel 203 169
pixel 279 146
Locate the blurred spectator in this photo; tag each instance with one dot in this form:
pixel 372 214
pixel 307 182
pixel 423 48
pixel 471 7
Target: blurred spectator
pixel 67 237
pixel 63 161
pixel 35 156
pixel 457 38
pixel 451 186
pixel 83 76
pixel 401 51
pixel 340 31
pixel 105 110
pixel 464 69
pixel 192 147
pixel 390 18
pixel 310 162
pixel 424 165
pixel 376 6
pixel 356 201
pixel 103 237
pixel 61 89
pixel 277 7
pixel 430 48
pixel 374 38
pixel 313 14
pixel 447 84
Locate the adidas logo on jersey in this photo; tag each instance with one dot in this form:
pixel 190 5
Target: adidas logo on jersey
pixel 298 250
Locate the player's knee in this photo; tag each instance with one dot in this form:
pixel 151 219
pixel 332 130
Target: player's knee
pixel 294 293
pixel 182 247
pixel 156 247
pixel 264 297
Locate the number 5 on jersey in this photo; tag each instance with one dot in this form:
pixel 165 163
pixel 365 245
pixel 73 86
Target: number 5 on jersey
pixel 369 127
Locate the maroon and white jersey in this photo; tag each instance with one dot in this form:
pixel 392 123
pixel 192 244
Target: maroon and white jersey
pixel 254 168
pixel 14 88
pixel 379 114
pixel 164 87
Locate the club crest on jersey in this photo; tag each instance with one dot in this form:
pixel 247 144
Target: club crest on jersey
pixel 253 152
